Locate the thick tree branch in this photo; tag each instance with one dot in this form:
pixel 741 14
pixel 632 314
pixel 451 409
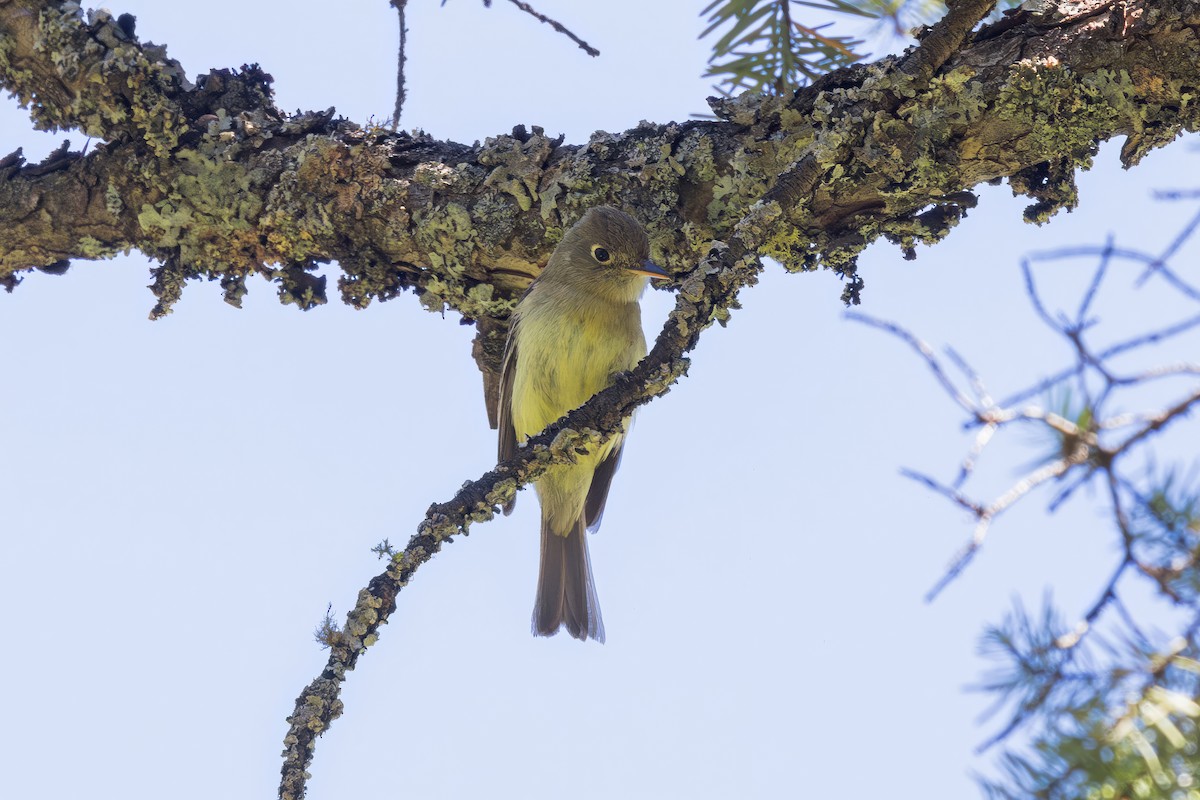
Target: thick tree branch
pixel 215 181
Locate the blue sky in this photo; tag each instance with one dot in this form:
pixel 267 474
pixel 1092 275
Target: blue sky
pixel 185 497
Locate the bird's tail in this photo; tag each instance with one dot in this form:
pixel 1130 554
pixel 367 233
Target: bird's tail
pixel 566 594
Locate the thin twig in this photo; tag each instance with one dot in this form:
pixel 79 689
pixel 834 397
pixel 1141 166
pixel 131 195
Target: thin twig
pixel 1042 386
pixel 977 385
pixel 1160 263
pixel 1159 372
pixel 1175 194
pixel 1159 421
pixel 1085 358
pixel 925 351
pixel 968 463
pixel 1091 251
pixel 399 5
pixel 1154 337
pixel 948 491
pixel 558 26
pixel 1065 494
pixel 962 558
pixel 1109 594
pixel 1182 286
pixel 989 513
pixel 1097 278
pixel 1036 300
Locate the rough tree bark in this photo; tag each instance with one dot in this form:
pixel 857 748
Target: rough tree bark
pixel 215 182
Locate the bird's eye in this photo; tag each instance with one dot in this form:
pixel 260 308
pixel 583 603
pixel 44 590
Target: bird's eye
pixel 600 254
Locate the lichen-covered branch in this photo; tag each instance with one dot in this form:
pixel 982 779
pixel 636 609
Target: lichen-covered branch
pixel 91 76
pixel 214 181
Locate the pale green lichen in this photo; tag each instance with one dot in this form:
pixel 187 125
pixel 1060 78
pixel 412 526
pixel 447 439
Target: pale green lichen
pixel 113 203
pixel 119 83
pixel 93 249
pixel 472 300
pixel 209 207
pixel 448 236
pixel 516 166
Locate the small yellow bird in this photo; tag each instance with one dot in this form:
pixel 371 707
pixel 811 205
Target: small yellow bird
pixel 577 327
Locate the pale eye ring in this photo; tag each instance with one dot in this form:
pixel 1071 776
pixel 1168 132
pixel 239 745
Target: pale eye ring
pixel 600 254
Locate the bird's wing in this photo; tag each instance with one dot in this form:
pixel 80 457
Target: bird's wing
pixel 508 434
pixel 593 508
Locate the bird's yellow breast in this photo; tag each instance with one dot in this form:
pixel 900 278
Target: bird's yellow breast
pixel 567 351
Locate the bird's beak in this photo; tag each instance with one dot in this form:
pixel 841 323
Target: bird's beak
pixel 651 270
